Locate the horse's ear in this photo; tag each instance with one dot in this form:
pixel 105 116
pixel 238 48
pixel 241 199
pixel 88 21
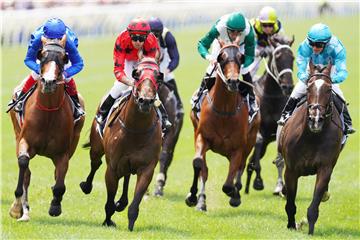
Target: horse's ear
pixel 221 42
pixel 160 78
pixel 135 74
pixel 62 42
pixel 44 40
pixel 311 67
pixel 66 58
pixel 292 40
pixel 327 70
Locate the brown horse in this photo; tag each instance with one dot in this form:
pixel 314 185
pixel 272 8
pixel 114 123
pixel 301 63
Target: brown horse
pixel 48 129
pixel 223 127
pixel 310 143
pixel 131 143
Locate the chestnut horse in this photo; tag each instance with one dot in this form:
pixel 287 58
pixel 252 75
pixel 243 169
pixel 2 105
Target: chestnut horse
pixel 273 90
pixel 310 143
pixel 223 127
pixel 131 143
pixel 48 129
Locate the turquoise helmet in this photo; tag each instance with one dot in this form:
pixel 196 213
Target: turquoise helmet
pixel 236 22
pixel 319 33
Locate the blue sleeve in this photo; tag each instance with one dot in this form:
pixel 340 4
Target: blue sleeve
pixel 77 62
pixel 172 50
pixel 35 45
pixel 340 66
pixel 302 60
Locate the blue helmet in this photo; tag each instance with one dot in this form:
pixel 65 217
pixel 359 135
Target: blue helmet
pixel 156 25
pixel 319 33
pixel 54 28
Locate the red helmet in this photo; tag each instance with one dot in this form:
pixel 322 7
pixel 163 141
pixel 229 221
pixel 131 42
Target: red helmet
pixel 138 26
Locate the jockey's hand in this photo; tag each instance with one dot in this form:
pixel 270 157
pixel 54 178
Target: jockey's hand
pixel 127 81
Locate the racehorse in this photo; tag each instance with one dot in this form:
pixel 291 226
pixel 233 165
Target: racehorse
pixel 223 127
pixel 170 139
pixel 131 143
pixel 48 129
pixel 310 142
pixel 273 89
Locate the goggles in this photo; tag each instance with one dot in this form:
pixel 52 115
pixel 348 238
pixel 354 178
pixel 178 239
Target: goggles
pixel 140 38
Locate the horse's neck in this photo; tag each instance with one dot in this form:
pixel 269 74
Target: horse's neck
pixel 270 85
pixel 223 99
pixel 134 119
pixel 50 100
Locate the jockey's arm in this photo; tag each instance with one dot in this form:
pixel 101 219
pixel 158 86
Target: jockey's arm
pixel 249 51
pixel 77 63
pixel 205 43
pixel 340 66
pixel 172 51
pixel 31 55
pixel 302 60
pixel 119 64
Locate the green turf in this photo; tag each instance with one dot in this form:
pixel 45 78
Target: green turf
pixel 260 215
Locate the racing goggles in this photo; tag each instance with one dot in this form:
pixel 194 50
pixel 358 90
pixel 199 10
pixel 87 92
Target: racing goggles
pixel 317 44
pixel 140 38
pixel 267 25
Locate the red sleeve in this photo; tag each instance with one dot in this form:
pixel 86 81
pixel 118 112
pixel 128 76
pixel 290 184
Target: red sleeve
pixel 119 56
pixel 151 46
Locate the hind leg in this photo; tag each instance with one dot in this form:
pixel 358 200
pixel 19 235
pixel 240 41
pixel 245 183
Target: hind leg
pixel 322 181
pixel 111 187
pixel 24 200
pixel 279 162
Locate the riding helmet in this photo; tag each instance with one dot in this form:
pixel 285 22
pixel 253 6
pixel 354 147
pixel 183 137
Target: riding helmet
pixel 138 26
pixel 319 33
pixel 236 22
pixel 54 28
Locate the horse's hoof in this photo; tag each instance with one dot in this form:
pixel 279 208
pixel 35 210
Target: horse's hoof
pixel 326 196
pixel 109 223
pixel 247 190
pixel 258 184
pixel 55 210
pixel 159 191
pixel 201 205
pixel 191 200
pixel 85 187
pixel 228 190
pixel 120 205
pixel 15 213
pixel 24 218
pixel 16 210
pixel 278 188
pixel 234 202
pixel 301 224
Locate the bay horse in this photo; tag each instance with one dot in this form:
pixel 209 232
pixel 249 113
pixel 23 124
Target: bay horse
pixel 310 142
pixel 131 143
pixel 48 129
pixel 171 137
pixel 223 127
pixel 273 89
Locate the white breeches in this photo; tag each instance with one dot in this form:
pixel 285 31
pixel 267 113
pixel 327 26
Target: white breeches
pixel 119 87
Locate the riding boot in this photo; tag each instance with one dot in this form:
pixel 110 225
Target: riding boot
pixel 253 106
pixel 165 123
pixel 29 83
pixel 18 107
pixel 78 110
pixel 207 82
pixel 348 122
pixel 104 110
pixel 288 110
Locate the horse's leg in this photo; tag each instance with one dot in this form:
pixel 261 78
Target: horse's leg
pixel 111 187
pixel 123 201
pixel 237 164
pixel 61 167
pixel 95 156
pixel 201 204
pixel 279 162
pixel 291 180
pixel 16 210
pixel 142 183
pixel 24 200
pixel 250 167
pixel 322 182
pixel 200 149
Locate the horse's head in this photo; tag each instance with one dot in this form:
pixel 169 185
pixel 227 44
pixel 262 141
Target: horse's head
pixel 147 77
pixel 319 97
pixel 52 60
pixel 281 62
pixel 229 63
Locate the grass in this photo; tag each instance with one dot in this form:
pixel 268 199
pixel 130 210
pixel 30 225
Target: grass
pixel 260 215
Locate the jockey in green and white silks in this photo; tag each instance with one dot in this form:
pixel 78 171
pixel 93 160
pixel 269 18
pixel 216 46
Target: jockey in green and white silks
pixel 227 29
pixel 321 48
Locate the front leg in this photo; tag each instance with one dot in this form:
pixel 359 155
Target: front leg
pixel 291 180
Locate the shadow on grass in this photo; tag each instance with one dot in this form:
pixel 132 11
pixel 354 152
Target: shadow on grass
pixel 164 229
pixel 336 232
pixel 67 222
pixel 232 213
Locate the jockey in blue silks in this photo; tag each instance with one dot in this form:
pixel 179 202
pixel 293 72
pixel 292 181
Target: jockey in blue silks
pixel 54 29
pixel 322 48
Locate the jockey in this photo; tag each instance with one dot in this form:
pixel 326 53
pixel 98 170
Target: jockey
pixel 54 28
pixel 136 37
pixel 169 56
pixel 228 28
pixel 322 48
pixel 265 25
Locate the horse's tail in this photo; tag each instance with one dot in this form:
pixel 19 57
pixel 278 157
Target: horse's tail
pixel 86 145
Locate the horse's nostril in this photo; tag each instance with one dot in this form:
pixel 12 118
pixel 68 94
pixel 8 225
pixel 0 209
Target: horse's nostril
pixel 141 100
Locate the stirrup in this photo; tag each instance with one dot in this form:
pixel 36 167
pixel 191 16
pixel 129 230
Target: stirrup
pixel 349 130
pixel 281 121
pixel 100 119
pixel 18 107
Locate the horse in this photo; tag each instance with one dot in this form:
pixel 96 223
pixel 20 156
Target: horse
pixel 131 143
pixel 170 139
pixel 223 127
pixel 273 89
pixel 48 129
pixel 310 142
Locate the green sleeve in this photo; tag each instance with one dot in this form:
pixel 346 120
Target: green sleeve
pixel 205 43
pixel 249 48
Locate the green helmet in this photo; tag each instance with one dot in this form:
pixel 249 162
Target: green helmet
pixel 236 22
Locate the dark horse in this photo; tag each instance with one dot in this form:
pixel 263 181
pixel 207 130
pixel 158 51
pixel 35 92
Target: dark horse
pixel 131 143
pixel 168 146
pixel 273 90
pixel 310 143
pixel 48 129
pixel 223 127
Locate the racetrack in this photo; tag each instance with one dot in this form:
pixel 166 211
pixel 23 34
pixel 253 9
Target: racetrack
pixel 260 215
